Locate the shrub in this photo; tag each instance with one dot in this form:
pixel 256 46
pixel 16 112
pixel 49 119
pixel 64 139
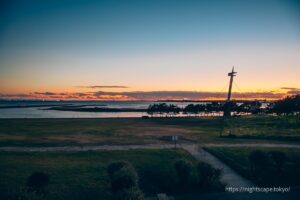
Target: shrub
pixel 279 159
pixel 124 178
pixel 259 159
pixel 116 166
pixel 207 174
pixel 184 170
pixel 124 181
pixel 133 193
pixel 261 168
pixel 37 181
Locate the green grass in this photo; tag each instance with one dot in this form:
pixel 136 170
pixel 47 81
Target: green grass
pixel 83 175
pixel 59 132
pixel 282 128
pixel 237 158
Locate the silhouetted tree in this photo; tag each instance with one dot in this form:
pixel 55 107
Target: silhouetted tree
pixel 116 166
pixel 183 169
pixel 163 109
pixel 288 106
pixel 261 166
pixel 194 109
pixel 37 182
pixel 151 110
pixel 279 159
pixel 216 107
pixel 207 174
pixel 124 181
pixel 259 159
pixel 190 109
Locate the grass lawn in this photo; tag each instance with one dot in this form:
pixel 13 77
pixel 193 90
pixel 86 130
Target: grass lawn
pixel 83 175
pixel 281 128
pixel 58 132
pixel 238 159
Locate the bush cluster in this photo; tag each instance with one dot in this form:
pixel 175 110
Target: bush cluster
pixel 191 177
pixel 124 181
pixel 264 166
pixel 35 188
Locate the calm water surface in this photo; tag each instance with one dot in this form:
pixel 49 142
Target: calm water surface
pixel 42 112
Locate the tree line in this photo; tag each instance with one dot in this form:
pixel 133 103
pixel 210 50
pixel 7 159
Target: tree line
pixel 287 106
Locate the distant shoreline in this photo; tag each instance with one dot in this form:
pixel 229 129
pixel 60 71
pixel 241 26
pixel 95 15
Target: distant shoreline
pixel 96 109
pixel 30 106
pixel 162 100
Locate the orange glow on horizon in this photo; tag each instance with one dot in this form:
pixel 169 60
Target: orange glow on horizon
pixel 90 96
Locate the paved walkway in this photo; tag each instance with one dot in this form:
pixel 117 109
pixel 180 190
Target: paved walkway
pixel 86 148
pixel 267 145
pixel 229 177
pixel 145 146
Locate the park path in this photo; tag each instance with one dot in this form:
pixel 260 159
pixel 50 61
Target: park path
pixel 264 145
pixel 229 176
pixel 142 146
pixel 86 148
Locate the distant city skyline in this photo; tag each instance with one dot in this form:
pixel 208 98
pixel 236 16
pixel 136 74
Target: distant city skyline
pixel 148 50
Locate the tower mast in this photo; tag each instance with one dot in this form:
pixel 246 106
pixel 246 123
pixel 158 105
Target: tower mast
pixel 231 74
pixel 227 105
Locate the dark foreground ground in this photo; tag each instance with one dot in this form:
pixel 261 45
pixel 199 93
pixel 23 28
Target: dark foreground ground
pixel 82 175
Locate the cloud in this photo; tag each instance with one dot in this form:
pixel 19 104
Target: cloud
pixel 293 92
pixel 46 93
pixel 81 94
pixel 289 88
pixel 193 95
pixel 103 86
pixel 12 96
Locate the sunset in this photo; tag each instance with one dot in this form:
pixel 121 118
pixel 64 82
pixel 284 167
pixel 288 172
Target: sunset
pixel 149 99
pixel 147 46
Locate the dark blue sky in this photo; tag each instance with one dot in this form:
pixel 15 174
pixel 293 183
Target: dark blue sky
pixel 145 23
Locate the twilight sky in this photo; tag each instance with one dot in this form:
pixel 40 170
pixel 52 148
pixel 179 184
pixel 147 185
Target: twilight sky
pixel 139 49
